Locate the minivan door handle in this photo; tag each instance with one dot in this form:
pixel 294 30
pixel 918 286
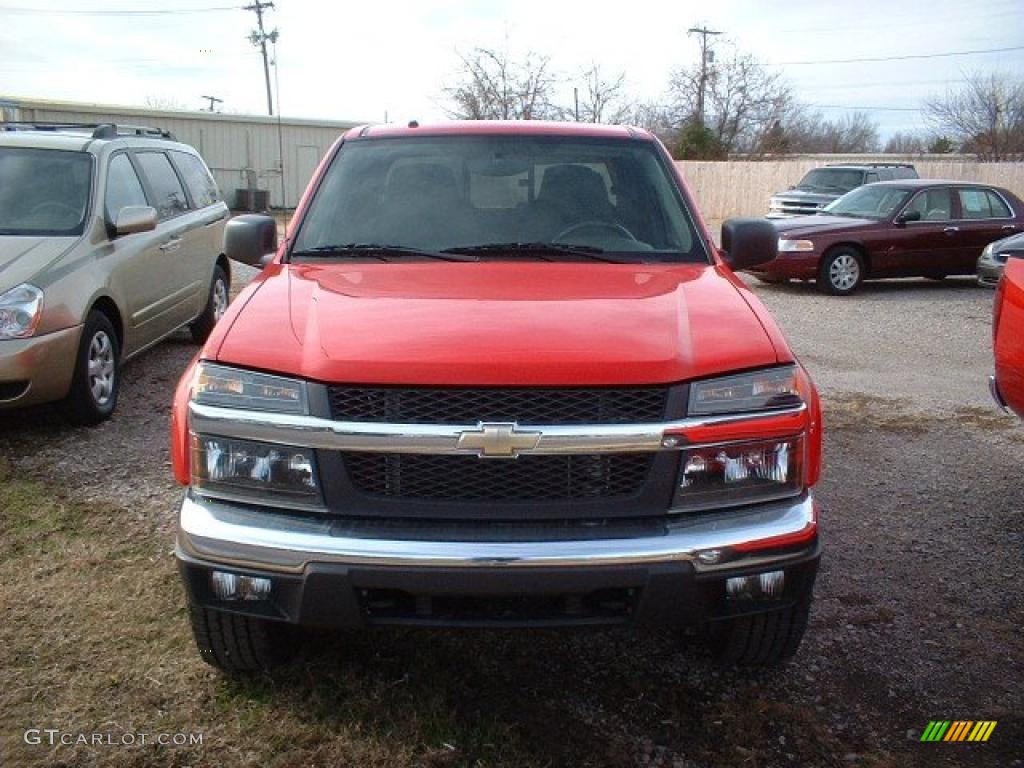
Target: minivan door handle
pixel 171 245
pixel 1009 227
pixel 951 230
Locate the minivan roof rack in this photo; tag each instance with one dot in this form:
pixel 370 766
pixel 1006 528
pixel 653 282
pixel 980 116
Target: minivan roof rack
pixel 99 130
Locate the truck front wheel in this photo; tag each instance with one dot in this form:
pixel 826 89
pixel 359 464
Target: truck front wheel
pixel 762 639
pixel 240 644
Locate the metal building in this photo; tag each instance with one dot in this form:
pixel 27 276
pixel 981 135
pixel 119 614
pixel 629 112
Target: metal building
pixel 243 151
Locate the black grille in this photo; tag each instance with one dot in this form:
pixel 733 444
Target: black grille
pixel 525 406
pixel 527 478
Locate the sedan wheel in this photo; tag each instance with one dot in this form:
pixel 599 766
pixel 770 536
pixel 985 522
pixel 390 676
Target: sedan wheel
pixel 841 272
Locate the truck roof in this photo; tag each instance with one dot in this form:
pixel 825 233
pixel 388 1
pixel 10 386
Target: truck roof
pixel 494 127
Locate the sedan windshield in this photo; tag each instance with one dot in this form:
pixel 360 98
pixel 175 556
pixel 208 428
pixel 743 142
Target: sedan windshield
pixel 499 197
pixel 43 191
pixel 871 202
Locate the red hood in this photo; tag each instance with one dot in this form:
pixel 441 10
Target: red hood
pixel 497 324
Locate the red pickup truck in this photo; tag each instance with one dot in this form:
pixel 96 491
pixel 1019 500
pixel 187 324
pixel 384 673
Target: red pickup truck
pixel 497 374
pixel 1008 336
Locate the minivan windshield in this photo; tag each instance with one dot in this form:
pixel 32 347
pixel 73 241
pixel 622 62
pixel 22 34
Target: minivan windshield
pixel 43 191
pixel 469 198
pixel 875 201
pixel 834 180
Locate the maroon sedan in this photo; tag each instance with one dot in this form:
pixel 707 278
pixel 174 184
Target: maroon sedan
pixel 906 228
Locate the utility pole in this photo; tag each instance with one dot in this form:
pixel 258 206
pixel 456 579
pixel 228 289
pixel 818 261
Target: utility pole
pixel 259 38
pixel 703 32
pixel 213 100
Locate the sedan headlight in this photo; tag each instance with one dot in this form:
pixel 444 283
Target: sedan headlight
pixel 20 311
pixel 729 475
pixel 237 388
pixel 790 246
pixel 241 469
pixel 770 389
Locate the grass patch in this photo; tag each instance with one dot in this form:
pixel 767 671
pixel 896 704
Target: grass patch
pixel 866 412
pixel 95 639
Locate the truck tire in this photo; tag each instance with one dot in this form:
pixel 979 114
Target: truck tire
pixel 240 644
pixel 216 305
pixel 97 377
pixel 762 639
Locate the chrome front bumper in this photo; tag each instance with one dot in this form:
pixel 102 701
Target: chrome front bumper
pixel 219 533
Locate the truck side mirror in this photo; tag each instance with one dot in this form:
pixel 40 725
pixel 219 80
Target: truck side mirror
pixel 250 238
pixel 749 242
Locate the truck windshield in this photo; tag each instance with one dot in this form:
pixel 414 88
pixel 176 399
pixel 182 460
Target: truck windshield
pixel 499 197
pixel 832 180
pixel 870 202
pixel 43 191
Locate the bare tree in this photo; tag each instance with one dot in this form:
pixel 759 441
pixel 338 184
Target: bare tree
pixel 905 144
pixel 810 131
pixel 743 101
pixel 165 103
pixel 494 86
pixel 603 100
pixel 985 115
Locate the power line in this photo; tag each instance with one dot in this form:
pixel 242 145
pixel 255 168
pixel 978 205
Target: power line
pixel 855 108
pixel 900 58
pixel 113 12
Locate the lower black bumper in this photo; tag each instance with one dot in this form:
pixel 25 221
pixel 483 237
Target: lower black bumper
pixel 673 590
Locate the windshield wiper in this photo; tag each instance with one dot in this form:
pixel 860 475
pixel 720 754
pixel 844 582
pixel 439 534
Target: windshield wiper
pixel 382 252
pixel 538 250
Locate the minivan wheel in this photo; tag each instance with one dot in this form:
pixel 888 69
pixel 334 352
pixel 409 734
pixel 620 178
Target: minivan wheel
pixel 841 272
pixel 97 377
pixel 216 305
pixel 240 644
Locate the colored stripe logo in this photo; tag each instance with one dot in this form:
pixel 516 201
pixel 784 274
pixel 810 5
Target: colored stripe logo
pixel 958 730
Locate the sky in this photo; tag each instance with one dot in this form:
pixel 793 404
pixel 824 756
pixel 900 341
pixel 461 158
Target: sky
pixel 365 61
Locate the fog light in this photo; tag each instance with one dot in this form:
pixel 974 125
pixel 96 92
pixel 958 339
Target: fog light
pixel 761 585
pixel 233 586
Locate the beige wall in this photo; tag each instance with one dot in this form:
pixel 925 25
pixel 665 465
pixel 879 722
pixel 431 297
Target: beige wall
pixel 742 188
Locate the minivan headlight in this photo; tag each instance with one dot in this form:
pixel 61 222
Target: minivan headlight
pixel 21 308
pixel 238 388
pixel 769 389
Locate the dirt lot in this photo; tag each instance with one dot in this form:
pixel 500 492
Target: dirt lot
pixel 916 617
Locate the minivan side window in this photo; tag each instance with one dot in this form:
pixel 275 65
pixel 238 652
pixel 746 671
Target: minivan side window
pixel 197 178
pixel 123 187
pixel 169 196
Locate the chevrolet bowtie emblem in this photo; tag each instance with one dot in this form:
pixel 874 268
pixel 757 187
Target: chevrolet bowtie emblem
pixel 497 441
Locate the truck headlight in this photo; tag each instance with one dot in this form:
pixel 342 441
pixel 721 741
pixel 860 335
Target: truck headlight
pixel 20 311
pixel 712 477
pixel 770 389
pixel 238 388
pixel 256 471
pixel 789 246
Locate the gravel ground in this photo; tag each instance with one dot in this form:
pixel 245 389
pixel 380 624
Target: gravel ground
pixel 915 616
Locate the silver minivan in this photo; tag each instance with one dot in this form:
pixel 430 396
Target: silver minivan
pixel 110 240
